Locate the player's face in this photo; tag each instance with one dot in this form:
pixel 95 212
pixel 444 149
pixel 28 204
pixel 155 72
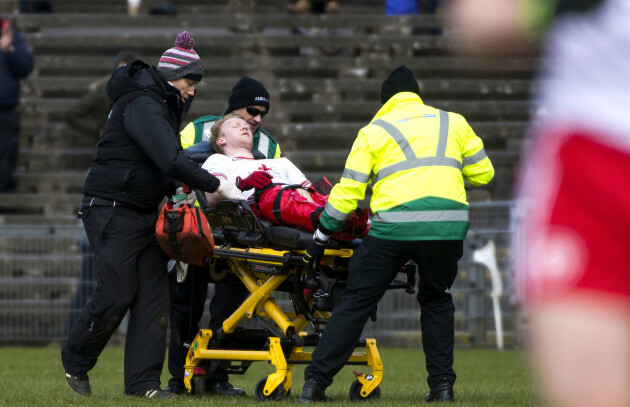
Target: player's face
pixel 237 133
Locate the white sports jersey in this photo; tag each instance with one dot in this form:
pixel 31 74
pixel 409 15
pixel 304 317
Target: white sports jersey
pixel 586 81
pixel 283 170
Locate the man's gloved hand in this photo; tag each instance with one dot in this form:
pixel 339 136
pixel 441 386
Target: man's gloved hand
pixel 191 196
pixel 313 255
pixel 257 179
pixel 315 251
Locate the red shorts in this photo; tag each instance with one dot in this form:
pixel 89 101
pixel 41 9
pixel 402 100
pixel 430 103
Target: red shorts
pixel 577 238
pixel 297 211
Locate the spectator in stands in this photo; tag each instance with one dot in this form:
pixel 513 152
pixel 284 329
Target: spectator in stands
pixel 401 7
pixel 319 7
pixel 398 7
pixel 90 112
pixel 250 99
pixel 16 62
pixel 573 259
pixel 133 7
pixel 133 168
pixel 35 6
pixel 313 6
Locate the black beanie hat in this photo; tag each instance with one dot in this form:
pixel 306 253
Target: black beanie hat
pixel 248 92
pixel 399 80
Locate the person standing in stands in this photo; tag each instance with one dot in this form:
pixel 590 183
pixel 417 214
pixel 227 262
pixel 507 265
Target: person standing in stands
pixel 16 62
pixel 249 99
pixel 89 113
pixel 406 144
pixel 135 165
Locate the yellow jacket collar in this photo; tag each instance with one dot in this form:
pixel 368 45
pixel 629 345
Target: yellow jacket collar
pixel 395 101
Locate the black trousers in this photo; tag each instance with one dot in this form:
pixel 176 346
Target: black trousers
pixel 86 284
pixel 130 275
pixel 372 268
pixel 9 130
pixel 187 304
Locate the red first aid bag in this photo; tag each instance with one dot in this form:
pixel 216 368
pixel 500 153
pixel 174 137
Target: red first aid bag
pixel 184 234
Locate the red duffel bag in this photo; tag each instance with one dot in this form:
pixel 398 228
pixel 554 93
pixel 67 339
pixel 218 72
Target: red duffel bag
pixel 184 234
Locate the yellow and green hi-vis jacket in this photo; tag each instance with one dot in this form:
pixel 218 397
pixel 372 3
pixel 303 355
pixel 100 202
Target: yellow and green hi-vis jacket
pixel 416 158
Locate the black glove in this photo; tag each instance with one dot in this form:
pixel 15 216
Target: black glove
pixel 313 255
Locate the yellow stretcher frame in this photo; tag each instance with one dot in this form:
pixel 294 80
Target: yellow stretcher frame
pixel 261 304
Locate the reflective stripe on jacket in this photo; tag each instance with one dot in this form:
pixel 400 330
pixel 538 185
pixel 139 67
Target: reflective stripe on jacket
pixel 416 157
pixel 199 130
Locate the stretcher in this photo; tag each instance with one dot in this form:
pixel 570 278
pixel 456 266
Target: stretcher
pixel 267 259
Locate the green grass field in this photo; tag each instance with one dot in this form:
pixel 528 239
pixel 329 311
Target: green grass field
pixel 34 377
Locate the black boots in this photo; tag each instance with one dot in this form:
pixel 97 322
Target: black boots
pixel 224 389
pixel 442 392
pixel 79 384
pixel 313 393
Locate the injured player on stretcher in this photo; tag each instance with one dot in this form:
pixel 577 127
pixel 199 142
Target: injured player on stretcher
pixel 275 188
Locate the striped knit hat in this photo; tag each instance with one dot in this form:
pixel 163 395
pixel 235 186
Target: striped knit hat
pixel 181 61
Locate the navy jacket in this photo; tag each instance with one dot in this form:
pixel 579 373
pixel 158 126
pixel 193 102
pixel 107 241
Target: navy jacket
pixel 13 67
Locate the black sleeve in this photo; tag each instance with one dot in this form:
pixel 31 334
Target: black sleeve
pixel 146 124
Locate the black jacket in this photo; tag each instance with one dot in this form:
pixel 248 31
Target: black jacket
pixel 140 148
pixel 13 67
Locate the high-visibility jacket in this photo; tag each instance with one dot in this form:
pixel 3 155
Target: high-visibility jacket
pixel 199 130
pixel 416 158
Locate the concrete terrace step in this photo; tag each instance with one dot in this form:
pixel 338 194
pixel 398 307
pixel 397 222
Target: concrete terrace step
pixel 216 44
pixel 208 8
pixel 245 22
pixel 48 136
pixel 293 67
pixel 310 111
pixel 37 266
pixel 49 204
pixel 296 136
pixel 77 159
pixel 36 220
pixel 30 240
pixel 34 138
pixel 50 182
pixel 218 89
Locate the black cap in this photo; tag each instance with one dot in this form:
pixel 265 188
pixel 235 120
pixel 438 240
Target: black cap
pixel 248 92
pixel 399 80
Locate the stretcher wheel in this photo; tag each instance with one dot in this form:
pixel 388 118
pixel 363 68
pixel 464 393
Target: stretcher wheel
pixel 198 385
pixel 278 394
pixel 355 392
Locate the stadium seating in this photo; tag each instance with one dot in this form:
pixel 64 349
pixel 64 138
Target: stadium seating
pixel 323 73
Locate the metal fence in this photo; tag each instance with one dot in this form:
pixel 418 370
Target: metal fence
pixel 46 274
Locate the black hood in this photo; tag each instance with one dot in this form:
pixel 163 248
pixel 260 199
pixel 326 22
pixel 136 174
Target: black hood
pixel 133 76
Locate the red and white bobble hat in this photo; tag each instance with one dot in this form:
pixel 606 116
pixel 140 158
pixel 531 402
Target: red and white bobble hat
pixel 181 61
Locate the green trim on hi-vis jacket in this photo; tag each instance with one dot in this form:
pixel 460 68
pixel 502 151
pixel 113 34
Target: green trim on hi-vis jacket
pixel 428 218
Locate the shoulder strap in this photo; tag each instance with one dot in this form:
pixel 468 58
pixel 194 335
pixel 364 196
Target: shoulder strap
pixel 278 198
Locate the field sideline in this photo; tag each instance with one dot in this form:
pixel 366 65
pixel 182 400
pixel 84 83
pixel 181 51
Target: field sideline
pixel 34 377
